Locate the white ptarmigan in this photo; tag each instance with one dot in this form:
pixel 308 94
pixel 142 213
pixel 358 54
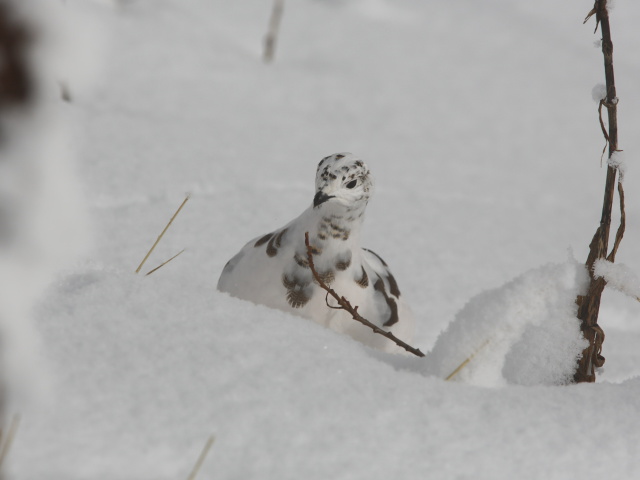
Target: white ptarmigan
pixel 273 269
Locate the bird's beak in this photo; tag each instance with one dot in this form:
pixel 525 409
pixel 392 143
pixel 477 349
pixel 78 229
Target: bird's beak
pixel 320 198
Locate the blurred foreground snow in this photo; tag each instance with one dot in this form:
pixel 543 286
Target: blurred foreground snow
pixel 41 223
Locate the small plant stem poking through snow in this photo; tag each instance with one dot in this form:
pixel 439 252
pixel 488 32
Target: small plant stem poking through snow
pixel 6 446
pixel 274 27
pixel 203 455
pixel 164 263
pixel 589 304
pixel 466 361
pixel 344 304
pixel 161 235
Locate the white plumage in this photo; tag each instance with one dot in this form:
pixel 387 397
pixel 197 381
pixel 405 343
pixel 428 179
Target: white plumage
pixel 273 270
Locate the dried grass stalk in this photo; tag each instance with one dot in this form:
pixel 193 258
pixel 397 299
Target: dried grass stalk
pixel 162 234
pixel 203 455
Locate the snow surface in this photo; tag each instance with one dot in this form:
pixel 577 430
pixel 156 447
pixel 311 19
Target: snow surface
pixel 477 121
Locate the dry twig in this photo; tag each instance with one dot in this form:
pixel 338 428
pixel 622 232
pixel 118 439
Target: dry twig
pixel 162 234
pixel 345 305
pixel 621 228
pixel 589 304
pixel 604 129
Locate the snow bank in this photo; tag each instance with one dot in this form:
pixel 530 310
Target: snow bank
pixel 525 332
pixel 147 371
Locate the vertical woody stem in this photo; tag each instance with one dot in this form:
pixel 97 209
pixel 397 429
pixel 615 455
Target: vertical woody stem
pixel 589 304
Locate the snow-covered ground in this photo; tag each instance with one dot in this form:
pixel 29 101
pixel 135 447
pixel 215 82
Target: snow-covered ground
pixel 476 119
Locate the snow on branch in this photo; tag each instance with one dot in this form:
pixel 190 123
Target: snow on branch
pixel 599 91
pixel 620 277
pixel 589 304
pixel 617 161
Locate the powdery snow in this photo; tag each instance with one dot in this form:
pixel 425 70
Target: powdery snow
pixel 525 332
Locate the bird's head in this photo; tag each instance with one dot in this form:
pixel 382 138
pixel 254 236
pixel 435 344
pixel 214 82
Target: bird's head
pixel 342 179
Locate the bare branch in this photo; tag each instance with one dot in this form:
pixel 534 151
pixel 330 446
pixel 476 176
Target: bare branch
pixel 589 15
pixel 589 304
pixel 345 305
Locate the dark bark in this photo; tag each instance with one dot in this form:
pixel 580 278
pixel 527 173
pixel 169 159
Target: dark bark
pixel 589 304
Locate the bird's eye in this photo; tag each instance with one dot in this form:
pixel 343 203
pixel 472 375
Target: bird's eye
pixel 352 184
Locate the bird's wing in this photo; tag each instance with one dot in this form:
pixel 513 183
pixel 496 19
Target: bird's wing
pixel 253 264
pixel 384 284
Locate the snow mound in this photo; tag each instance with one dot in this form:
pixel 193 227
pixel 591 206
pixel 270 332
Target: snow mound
pixel 525 332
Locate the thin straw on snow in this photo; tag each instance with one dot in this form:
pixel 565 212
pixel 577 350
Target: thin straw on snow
pixel 201 458
pixel 162 234
pixel 6 446
pixel 164 263
pixel 618 276
pixel 466 361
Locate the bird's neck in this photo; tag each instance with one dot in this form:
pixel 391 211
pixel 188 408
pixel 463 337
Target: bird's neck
pixel 333 235
pixel 334 227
